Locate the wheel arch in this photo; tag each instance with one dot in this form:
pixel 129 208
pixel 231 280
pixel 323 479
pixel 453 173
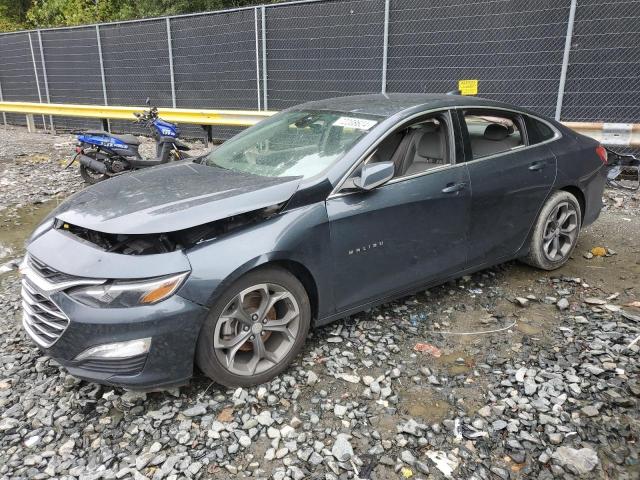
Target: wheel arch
pixel 302 273
pixel 572 189
pixel 579 194
pixel 295 267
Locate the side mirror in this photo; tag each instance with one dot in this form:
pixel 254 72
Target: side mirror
pixel 374 175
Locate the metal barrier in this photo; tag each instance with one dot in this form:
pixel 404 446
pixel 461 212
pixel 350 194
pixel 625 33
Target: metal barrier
pixel 607 133
pixel 235 118
pixel 622 135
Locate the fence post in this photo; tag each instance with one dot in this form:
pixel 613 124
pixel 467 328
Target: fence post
pixel 385 46
pixel 255 16
pixel 173 80
pixel 4 115
pixel 264 59
pixel 565 59
pixel 104 82
pixel 46 79
pixel 35 72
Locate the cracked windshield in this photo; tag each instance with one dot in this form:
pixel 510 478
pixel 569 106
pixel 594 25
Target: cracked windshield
pixel 300 143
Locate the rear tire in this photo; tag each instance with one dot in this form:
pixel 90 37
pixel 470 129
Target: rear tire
pixel 255 329
pixel 556 232
pixel 89 176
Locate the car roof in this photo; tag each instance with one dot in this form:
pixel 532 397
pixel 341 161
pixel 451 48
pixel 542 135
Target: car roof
pixel 390 104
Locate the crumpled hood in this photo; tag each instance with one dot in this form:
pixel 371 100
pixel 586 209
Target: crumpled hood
pixel 171 197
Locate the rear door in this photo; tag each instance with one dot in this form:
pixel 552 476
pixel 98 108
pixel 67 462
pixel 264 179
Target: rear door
pixel 510 175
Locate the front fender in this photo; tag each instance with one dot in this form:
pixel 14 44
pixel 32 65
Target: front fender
pixel 300 235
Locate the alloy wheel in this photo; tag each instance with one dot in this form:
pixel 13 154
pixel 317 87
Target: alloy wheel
pixel 560 232
pixel 257 329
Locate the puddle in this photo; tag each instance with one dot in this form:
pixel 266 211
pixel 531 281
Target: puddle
pixel 475 320
pixel 533 320
pixel 425 404
pixel 17 225
pixel 450 362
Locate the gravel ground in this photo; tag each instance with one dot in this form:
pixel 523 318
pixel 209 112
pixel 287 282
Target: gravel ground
pixel 508 373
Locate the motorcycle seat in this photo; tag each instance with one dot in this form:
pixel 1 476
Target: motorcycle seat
pixel 126 138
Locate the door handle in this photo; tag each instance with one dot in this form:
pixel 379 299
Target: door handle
pixel 454 187
pixel 535 166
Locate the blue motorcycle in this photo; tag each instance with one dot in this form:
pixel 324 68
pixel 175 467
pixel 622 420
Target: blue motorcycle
pixel 102 154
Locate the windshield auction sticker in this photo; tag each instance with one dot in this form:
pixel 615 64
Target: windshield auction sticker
pixel 357 123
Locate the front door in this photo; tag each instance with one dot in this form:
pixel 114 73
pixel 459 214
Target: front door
pixel 407 232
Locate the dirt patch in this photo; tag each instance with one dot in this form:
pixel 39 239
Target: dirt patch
pixel 385 425
pixel 427 405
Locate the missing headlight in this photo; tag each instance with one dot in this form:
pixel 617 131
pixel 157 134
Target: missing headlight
pixel 121 243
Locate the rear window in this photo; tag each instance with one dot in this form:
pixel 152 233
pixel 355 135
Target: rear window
pixel 538 131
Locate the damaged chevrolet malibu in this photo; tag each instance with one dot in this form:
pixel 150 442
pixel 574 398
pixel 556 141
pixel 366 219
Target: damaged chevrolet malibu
pixel 226 261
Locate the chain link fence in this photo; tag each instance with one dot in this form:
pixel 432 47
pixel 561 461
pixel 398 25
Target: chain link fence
pixel 214 60
pixel 514 48
pixel 73 75
pixel 603 78
pixel 578 61
pixel 20 76
pixel 324 49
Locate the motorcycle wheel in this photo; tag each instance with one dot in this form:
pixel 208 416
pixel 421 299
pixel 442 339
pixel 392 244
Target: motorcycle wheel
pixel 177 155
pixel 91 177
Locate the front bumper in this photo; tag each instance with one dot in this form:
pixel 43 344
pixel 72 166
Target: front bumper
pixel 173 326
pixel 64 328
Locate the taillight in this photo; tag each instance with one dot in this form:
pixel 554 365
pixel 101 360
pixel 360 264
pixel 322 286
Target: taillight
pixel 602 153
pixel 78 149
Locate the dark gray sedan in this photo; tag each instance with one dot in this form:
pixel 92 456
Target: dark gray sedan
pixel 316 213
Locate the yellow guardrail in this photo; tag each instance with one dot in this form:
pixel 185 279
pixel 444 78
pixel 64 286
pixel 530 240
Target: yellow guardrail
pixel 235 118
pixel 624 134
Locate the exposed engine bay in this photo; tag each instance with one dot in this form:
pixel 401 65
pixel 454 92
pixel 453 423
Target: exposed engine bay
pixel 155 243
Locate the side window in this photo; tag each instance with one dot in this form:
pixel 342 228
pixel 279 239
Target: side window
pixel 537 131
pixel 413 149
pixel 426 147
pixel 490 134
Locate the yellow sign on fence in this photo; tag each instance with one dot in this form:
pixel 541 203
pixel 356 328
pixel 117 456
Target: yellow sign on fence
pixel 468 87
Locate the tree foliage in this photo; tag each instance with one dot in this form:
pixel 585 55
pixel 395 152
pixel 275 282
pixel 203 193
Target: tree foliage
pixel 21 14
pixel 13 14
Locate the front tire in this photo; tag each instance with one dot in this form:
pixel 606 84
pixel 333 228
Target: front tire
pixel 255 329
pixel 556 232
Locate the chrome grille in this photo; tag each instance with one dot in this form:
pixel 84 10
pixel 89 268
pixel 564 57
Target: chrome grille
pixel 49 273
pixel 42 318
